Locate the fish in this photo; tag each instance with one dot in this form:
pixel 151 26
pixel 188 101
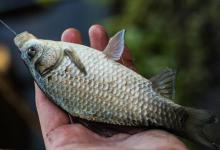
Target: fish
pixel 92 85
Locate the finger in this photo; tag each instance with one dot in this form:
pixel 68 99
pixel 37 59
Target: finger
pixel 126 59
pixel 71 35
pixel 99 40
pixel 98 37
pixel 50 115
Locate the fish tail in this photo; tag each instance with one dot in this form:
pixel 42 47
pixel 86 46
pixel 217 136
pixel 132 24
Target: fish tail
pixel 195 125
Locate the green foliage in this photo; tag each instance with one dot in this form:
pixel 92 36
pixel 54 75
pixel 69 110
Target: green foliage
pixel 168 33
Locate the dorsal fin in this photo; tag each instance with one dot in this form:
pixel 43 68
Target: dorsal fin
pixel 75 59
pixel 115 47
pixel 164 83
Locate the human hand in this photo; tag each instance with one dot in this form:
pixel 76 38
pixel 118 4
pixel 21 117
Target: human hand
pixel 58 134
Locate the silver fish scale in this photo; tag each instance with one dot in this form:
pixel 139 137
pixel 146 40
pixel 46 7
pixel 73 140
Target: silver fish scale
pixel 110 93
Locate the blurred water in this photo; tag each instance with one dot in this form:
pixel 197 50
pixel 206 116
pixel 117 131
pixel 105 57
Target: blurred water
pixel 47 23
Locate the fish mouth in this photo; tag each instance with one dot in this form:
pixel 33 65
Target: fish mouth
pixel 22 38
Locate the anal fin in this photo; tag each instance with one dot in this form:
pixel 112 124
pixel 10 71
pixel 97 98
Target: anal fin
pixel 164 83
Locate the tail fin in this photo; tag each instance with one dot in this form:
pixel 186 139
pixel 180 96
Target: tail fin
pixel 195 125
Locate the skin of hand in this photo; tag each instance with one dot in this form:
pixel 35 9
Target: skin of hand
pixel 59 134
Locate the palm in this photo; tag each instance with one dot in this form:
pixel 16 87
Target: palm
pixel 60 135
pixel 76 136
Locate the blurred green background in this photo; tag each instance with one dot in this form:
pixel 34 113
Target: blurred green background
pixel 183 34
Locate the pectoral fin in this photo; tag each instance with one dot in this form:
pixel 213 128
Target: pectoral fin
pixel 75 59
pixel 115 47
pixel 164 83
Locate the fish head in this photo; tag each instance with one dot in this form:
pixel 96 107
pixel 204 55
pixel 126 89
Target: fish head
pixel 39 55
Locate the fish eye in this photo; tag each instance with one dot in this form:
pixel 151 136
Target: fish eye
pixel 31 52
